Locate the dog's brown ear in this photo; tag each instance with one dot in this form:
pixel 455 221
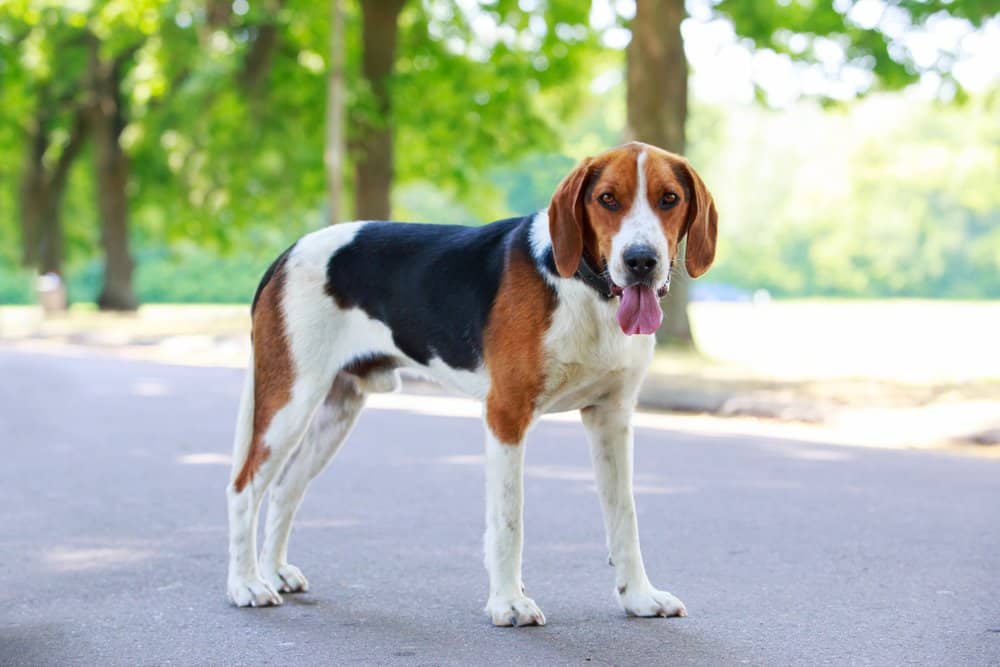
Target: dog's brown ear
pixel 566 220
pixel 702 226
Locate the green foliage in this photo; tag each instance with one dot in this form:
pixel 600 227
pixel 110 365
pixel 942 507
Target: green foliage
pixel 794 28
pixel 492 107
pixel 889 199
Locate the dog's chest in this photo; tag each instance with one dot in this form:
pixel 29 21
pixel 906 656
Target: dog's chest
pixel 587 356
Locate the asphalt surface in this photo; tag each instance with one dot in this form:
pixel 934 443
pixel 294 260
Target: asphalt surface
pixel 113 540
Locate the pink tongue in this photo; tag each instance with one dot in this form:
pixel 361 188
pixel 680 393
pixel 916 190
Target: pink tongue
pixel 639 312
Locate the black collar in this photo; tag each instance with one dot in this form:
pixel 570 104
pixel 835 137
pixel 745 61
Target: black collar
pixel 593 278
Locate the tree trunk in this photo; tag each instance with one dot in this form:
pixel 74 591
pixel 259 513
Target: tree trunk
pixel 107 122
pixel 41 225
pixel 51 250
pixel 42 190
pixel 374 163
pixel 333 156
pixel 657 80
pixel 260 54
pixel 32 194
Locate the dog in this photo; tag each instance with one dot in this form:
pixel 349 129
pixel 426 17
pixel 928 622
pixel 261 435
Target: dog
pixel 545 313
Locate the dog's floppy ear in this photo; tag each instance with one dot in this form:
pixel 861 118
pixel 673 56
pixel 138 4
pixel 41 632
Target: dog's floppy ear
pixel 566 220
pixel 702 226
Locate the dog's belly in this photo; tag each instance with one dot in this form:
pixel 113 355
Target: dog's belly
pixel 474 384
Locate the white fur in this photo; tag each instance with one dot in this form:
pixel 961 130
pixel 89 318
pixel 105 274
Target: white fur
pixel 327 431
pixel 507 604
pixel 541 239
pixel 640 226
pixel 609 431
pixel 589 364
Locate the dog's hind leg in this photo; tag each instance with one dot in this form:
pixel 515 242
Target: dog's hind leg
pixel 330 426
pixel 293 365
pixel 274 437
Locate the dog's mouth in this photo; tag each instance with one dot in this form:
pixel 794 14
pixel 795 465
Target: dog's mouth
pixel 639 309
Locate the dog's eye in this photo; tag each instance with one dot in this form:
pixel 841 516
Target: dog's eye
pixel 669 200
pixel 609 202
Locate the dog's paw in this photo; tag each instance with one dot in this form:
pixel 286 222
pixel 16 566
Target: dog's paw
pixel 649 602
pixel 514 611
pixel 252 592
pixel 285 578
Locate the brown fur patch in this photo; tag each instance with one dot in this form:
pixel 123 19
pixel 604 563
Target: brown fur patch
pixel 272 375
pixel 618 177
pixel 513 347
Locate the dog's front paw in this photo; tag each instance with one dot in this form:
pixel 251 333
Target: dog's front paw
pixel 285 578
pixel 514 611
pixel 647 601
pixel 252 592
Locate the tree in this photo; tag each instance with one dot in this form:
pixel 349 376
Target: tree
pixel 98 71
pixel 333 156
pixel 43 89
pixel 373 166
pixel 657 70
pixel 204 121
pixel 450 83
pixel 75 60
pixel 107 117
pixel 43 184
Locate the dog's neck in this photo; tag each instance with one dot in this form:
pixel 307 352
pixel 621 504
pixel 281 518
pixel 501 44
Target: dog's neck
pixel 594 277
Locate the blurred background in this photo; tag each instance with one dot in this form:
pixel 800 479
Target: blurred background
pixel 165 151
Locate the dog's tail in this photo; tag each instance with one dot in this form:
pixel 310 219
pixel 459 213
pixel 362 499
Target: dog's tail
pixel 244 428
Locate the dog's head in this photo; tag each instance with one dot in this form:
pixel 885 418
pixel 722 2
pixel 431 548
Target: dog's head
pixel 627 210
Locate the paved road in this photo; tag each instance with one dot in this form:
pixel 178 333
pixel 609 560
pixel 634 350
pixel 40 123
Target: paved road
pixel 112 546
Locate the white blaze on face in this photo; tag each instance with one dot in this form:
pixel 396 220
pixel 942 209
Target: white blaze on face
pixel 641 226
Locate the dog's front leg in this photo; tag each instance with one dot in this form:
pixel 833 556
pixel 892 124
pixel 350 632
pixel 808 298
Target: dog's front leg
pixel 609 430
pixel 507 604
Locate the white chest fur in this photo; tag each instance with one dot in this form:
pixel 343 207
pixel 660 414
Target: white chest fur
pixel 587 355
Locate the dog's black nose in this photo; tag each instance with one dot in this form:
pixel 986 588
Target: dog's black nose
pixel 640 260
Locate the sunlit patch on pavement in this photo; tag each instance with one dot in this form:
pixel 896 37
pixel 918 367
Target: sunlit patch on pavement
pixel 463 460
pixel 326 523
pixel 205 458
pixel 806 454
pixel 149 387
pixel 566 473
pixel 64 559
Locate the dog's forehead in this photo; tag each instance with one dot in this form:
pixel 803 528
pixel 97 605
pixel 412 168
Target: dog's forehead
pixel 621 165
pixel 620 162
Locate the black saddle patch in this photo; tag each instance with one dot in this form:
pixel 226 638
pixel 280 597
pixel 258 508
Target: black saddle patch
pixel 432 285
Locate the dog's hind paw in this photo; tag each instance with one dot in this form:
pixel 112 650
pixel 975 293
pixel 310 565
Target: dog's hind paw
pixel 252 592
pixel 285 578
pixel 517 611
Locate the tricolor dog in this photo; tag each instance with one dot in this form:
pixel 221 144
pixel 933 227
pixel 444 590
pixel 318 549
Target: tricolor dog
pixel 546 313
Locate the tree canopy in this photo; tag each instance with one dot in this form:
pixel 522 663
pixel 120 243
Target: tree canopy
pixel 217 117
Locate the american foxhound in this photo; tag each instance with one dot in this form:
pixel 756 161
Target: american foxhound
pixel 545 313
